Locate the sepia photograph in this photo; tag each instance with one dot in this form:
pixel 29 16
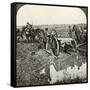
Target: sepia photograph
pixel 51 44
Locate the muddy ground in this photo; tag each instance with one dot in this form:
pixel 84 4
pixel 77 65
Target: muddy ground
pixel 30 60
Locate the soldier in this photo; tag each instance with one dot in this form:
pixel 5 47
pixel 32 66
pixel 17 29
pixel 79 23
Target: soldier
pixel 29 32
pixel 47 35
pixel 77 33
pixel 55 43
pixel 28 25
pixel 70 31
pixel 54 33
pixel 47 32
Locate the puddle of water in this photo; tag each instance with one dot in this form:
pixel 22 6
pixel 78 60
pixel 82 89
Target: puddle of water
pixel 67 74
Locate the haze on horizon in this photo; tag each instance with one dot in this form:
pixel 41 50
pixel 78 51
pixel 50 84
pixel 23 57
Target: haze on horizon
pixel 43 15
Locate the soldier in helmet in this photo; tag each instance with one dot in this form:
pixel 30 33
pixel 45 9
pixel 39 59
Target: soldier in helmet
pixel 28 25
pixel 54 33
pixel 28 31
pixel 70 31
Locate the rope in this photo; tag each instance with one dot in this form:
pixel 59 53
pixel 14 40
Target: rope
pixel 81 44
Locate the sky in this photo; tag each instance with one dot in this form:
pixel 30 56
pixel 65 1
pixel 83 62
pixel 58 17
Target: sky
pixel 42 15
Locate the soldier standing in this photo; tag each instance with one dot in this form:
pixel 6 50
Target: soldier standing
pixel 70 31
pixel 28 31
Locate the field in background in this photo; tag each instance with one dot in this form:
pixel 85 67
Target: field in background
pixel 62 29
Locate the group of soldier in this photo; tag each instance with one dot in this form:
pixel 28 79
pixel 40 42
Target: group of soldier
pixel 78 33
pixel 75 32
pixel 48 39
